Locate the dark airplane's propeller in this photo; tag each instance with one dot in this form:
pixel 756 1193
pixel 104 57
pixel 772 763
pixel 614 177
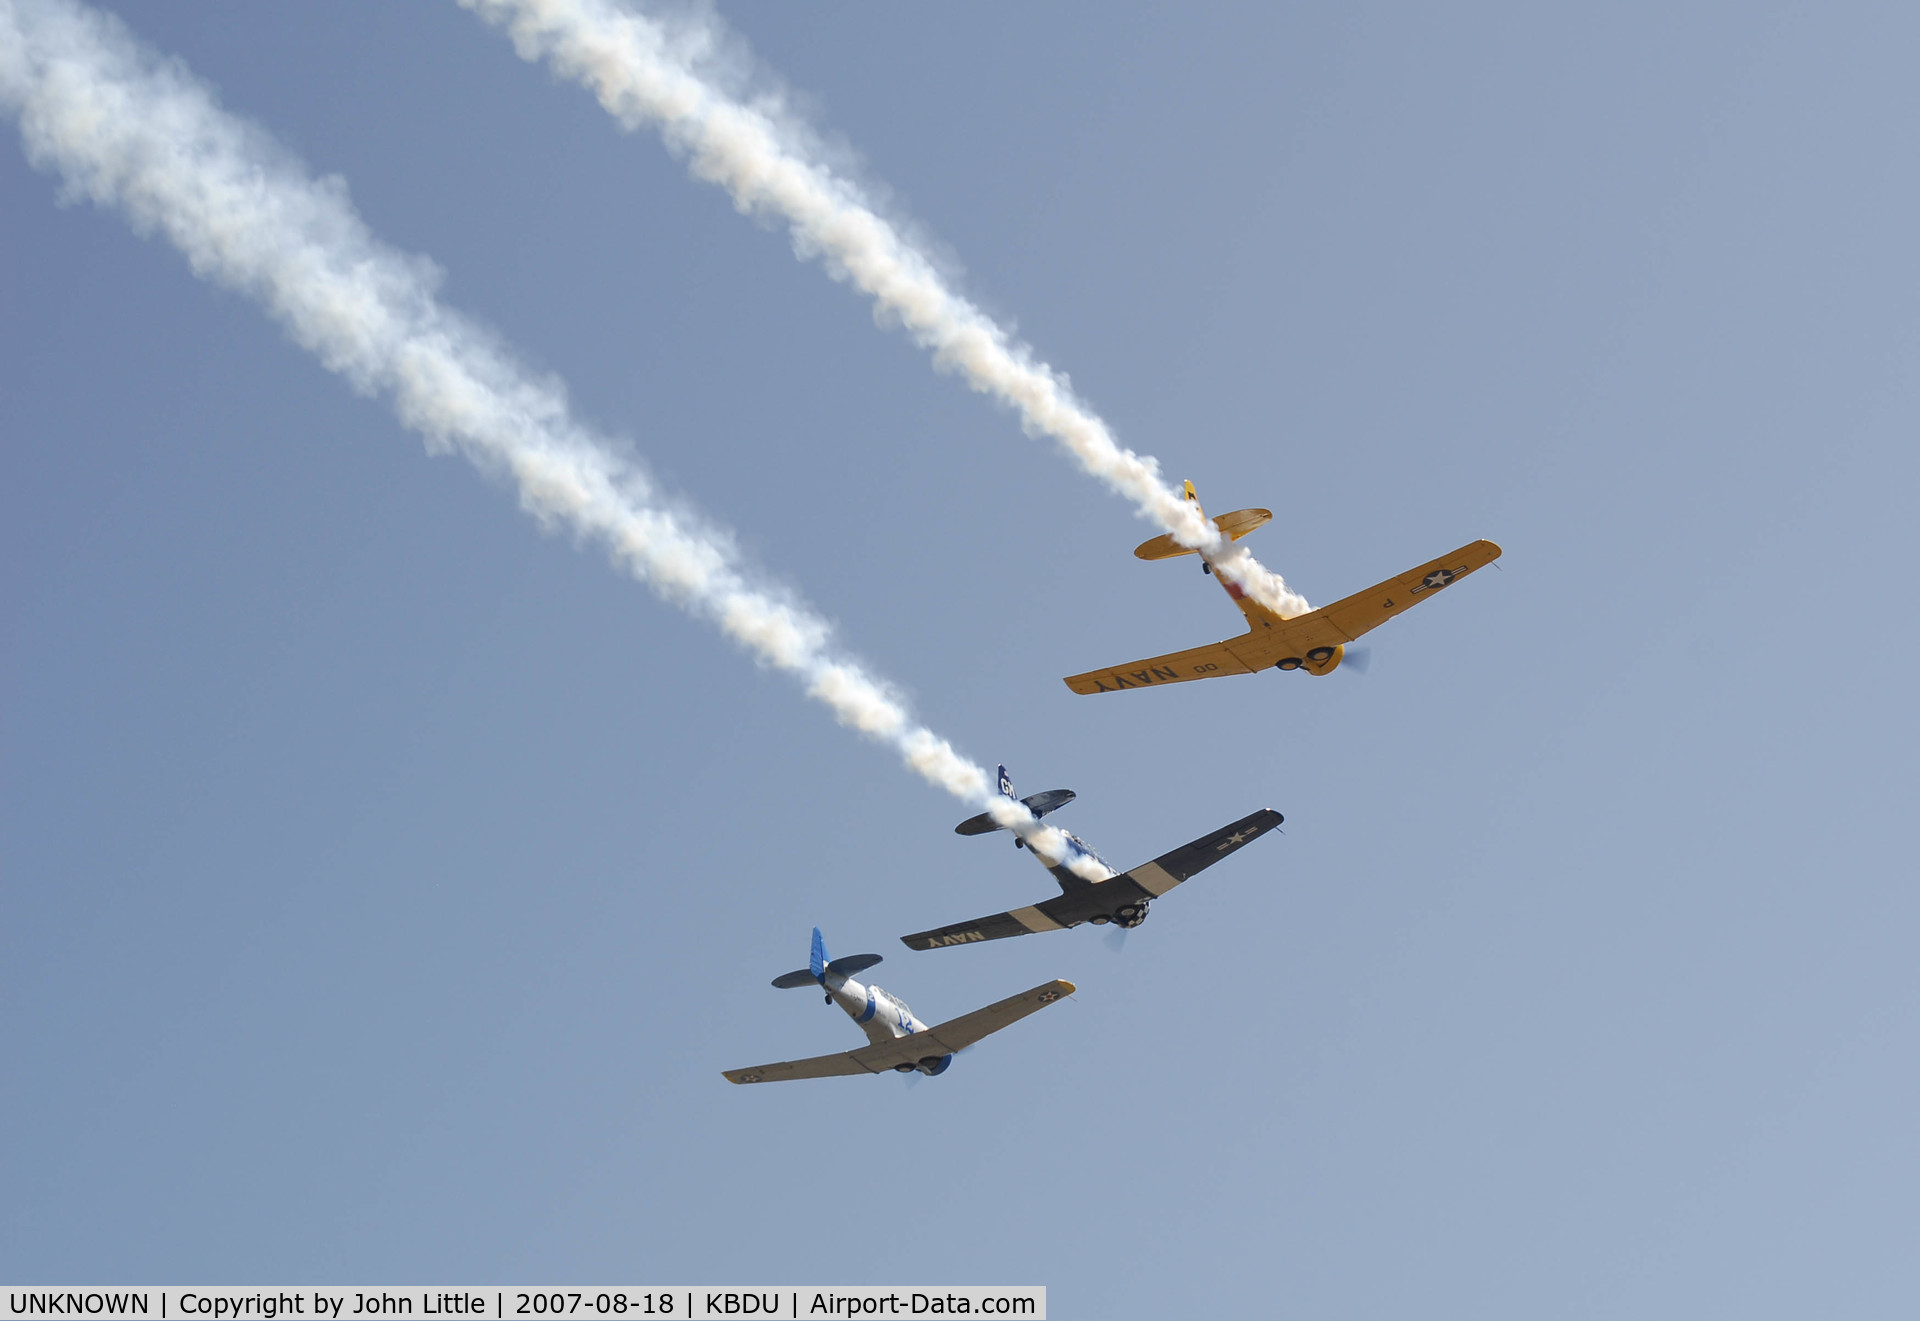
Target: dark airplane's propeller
pixel 1116 938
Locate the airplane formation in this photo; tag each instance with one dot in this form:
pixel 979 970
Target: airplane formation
pixel 1092 892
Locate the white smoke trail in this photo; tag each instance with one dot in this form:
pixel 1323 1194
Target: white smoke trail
pixel 123 128
pixel 647 74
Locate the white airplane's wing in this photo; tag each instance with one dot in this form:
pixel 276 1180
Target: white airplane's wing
pixel 948 1038
pixel 956 1034
pixel 820 1066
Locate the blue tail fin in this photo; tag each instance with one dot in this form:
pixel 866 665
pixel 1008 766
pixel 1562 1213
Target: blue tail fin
pixel 817 958
pixel 1006 783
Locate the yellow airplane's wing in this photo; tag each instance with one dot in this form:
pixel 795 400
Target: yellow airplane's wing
pixel 1310 641
pixel 1349 618
pixel 1177 667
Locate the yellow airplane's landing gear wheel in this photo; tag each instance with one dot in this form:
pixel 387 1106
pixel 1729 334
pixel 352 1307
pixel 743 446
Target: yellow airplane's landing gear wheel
pixel 1290 663
pixel 1320 655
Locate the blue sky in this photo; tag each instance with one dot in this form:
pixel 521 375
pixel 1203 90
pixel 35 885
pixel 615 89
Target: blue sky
pixel 384 882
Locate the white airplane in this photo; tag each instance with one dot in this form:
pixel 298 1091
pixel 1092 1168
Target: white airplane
pixel 901 1042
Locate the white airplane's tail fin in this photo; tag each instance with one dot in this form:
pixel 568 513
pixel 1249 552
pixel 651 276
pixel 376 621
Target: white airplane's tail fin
pixel 819 967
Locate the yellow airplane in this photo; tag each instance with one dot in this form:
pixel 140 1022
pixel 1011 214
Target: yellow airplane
pixel 1314 642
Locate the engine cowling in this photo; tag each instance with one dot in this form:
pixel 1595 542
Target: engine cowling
pixel 1131 915
pixel 1323 660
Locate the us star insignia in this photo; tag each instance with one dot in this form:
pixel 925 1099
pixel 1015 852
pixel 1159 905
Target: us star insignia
pixel 1434 581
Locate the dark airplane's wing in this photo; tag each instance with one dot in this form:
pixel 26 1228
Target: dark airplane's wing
pixel 1189 860
pixel 1104 898
pixel 949 1038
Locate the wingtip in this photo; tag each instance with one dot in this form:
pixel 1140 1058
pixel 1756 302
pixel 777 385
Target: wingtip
pixel 1066 986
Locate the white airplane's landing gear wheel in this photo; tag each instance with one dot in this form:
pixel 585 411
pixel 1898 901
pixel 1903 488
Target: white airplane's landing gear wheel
pixel 903 1068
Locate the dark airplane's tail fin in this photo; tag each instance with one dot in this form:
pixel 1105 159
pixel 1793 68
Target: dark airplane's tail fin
pixel 1039 804
pixel 819 967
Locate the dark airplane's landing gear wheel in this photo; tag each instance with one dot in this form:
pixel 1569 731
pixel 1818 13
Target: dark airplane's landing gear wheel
pixel 1019 843
pixel 1130 915
pixel 1099 919
pixel 1320 655
pixel 1290 663
pixel 903 1068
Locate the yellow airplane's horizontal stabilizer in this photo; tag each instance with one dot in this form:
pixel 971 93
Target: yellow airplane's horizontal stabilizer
pixel 1235 526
